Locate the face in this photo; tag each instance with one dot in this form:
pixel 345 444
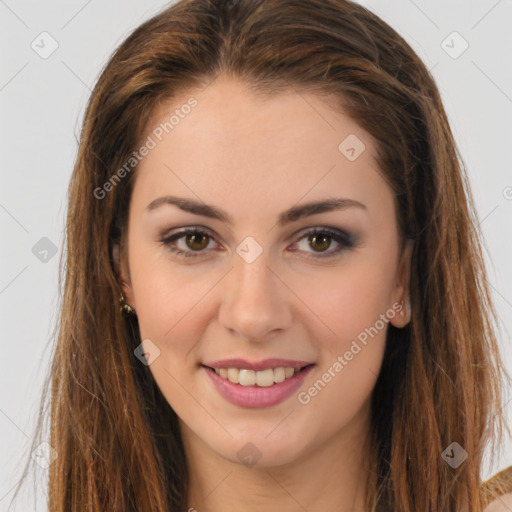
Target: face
pixel 240 275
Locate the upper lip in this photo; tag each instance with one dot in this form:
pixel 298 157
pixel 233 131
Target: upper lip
pixel 257 365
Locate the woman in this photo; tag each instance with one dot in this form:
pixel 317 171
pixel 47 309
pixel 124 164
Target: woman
pixel 273 191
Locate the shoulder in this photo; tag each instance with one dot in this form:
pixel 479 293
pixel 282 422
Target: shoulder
pixel 497 492
pixel 502 504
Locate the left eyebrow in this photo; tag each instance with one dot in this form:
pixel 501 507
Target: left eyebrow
pixel 291 215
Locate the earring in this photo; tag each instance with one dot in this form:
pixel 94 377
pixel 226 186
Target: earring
pixel 125 308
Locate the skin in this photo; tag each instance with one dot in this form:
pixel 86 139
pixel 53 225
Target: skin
pixel 502 504
pixel 254 158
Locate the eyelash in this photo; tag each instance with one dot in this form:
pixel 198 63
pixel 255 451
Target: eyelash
pixel 344 239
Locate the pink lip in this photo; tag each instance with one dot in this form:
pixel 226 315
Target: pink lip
pixel 255 396
pixel 261 365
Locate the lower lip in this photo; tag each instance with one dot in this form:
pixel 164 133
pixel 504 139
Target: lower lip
pixel 256 396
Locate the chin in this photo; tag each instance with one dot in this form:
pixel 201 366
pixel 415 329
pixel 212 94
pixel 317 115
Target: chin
pixel 260 448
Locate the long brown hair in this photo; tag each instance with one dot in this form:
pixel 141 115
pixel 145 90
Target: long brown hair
pixel 117 438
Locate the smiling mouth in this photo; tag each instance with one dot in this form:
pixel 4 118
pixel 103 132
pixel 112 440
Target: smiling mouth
pixel 259 378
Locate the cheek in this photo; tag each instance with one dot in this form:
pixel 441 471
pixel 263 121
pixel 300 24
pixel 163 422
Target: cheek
pixel 352 339
pixel 168 297
pixel 337 396
pixel 172 315
pixel 346 300
pixel 350 326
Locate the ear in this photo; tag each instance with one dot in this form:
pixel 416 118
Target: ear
pixel 401 293
pixel 123 275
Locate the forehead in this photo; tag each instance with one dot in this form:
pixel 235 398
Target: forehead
pixel 228 145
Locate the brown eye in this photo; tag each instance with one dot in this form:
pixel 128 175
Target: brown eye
pixel 197 241
pixel 319 241
pixel 188 242
pixel 194 242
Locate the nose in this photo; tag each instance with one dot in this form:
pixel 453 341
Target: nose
pixel 255 302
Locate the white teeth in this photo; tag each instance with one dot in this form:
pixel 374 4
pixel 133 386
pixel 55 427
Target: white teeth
pixel 279 374
pixel 265 378
pixel 262 378
pixel 246 377
pixel 233 375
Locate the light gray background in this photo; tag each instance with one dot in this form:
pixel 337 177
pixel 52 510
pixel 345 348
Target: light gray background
pixel 42 103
